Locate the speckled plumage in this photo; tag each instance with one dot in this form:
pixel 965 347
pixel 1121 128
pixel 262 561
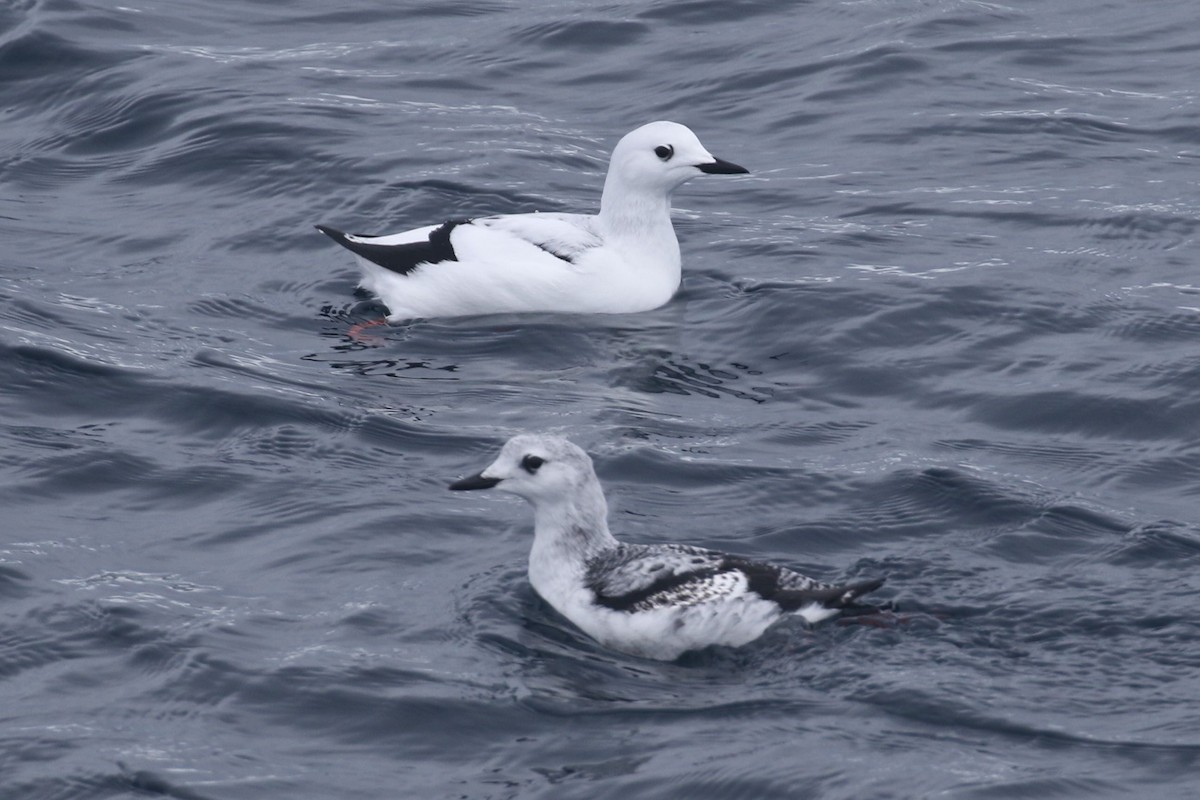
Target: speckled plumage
pixel 640 577
pixel 657 601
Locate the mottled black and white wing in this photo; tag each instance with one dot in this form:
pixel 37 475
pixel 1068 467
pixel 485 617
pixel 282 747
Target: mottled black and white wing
pixel 643 577
pixel 634 577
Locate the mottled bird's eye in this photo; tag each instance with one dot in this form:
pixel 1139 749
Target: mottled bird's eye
pixel 664 151
pixel 531 463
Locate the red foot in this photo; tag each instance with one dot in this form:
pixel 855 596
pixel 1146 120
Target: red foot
pixel 357 336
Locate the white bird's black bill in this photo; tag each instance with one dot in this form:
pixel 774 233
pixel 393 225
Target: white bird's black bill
pixel 722 167
pixel 473 482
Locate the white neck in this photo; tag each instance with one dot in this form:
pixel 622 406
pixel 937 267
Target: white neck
pixel 576 528
pixel 638 225
pixel 565 535
pixel 626 210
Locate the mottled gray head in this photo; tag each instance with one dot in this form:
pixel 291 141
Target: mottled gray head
pixel 541 468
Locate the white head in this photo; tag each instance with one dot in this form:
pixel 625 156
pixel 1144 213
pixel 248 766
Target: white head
pixel 557 478
pixel 658 157
pixel 536 467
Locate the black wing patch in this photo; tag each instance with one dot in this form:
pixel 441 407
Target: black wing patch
pixel 402 258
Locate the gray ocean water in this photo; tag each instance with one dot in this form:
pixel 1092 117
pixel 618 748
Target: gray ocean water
pixel 948 331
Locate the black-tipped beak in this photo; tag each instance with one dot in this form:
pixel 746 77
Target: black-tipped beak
pixel 473 482
pixel 721 167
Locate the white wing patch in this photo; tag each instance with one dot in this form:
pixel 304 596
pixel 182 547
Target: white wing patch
pixel 565 236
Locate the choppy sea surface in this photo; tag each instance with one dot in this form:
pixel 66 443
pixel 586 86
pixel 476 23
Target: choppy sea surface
pixel 947 331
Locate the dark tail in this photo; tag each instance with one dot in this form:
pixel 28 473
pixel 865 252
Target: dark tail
pixel 335 234
pixel 842 597
pixel 394 257
pixel 852 591
pixel 848 603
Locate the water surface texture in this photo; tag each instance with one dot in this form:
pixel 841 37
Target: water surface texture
pixel 948 330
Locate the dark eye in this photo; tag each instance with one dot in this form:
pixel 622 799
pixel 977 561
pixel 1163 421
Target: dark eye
pixel 531 463
pixel 664 151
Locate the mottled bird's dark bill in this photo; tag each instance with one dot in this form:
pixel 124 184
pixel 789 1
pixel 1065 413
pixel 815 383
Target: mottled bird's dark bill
pixel 473 482
pixel 722 167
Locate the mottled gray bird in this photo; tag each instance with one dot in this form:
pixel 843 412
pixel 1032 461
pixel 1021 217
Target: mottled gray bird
pixel 656 601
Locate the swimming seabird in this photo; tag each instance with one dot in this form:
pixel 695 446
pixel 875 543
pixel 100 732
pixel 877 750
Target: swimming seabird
pixel 656 601
pixel 622 260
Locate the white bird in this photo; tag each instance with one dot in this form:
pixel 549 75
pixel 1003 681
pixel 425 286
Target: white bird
pixel 655 601
pixel 624 259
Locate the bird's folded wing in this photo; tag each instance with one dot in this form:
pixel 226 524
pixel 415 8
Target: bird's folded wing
pixel 564 236
pixel 640 577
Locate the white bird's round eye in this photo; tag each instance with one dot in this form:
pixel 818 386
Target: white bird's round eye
pixel 664 151
pixel 531 463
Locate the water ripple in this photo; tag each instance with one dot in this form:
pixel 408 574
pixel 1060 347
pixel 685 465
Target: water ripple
pixel 943 333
